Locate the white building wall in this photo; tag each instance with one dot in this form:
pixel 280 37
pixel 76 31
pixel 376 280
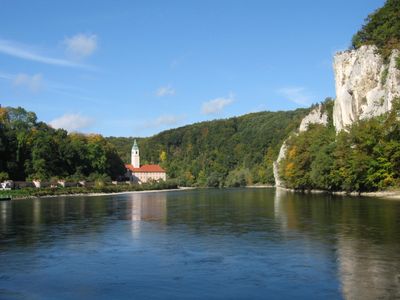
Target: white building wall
pixel 144 177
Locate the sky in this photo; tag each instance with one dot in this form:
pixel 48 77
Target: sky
pixel 135 68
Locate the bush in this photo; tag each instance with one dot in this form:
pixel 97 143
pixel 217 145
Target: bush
pixel 215 180
pixel 3 176
pixel 239 178
pixel 385 74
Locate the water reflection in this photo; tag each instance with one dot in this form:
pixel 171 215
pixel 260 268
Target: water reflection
pixel 364 233
pixel 146 207
pixel 261 239
pixel 279 207
pixel 368 271
pixel 152 206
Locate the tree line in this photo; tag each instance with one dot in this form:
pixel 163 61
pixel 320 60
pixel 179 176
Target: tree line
pixel 382 29
pixel 231 152
pixel 30 150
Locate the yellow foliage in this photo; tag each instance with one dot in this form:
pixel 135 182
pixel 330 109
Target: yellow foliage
pixel 163 156
pixel 95 138
pixel 292 152
pixel 189 176
pixel 3 115
pixel 289 169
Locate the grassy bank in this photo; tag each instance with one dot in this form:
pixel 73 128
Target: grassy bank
pixel 41 192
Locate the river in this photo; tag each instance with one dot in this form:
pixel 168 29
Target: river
pixel 200 244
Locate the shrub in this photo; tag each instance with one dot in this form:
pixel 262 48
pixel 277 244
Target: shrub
pixel 215 180
pixel 3 176
pixel 385 74
pixel 239 178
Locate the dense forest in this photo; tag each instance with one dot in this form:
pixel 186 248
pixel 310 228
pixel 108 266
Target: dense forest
pixel 230 152
pixel 364 158
pixel 382 29
pixel 33 150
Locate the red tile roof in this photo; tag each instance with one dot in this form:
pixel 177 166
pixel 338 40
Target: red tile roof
pixel 146 168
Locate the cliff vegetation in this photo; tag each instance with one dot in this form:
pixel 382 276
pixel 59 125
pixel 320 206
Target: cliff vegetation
pixel 381 28
pixel 364 158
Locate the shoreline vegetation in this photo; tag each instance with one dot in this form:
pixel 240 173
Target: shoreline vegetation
pixel 90 191
pixel 32 193
pixel 386 194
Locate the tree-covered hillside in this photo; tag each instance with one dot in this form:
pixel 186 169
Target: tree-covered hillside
pixel 33 150
pixel 235 151
pixel 230 152
pixel 365 158
pixel 381 28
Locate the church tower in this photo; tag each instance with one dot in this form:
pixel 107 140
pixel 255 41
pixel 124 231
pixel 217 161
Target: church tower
pixel 135 158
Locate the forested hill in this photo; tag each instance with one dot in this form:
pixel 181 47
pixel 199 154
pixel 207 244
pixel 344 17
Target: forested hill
pixel 30 149
pixel 381 28
pixel 230 152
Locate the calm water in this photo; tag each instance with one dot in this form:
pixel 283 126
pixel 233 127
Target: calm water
pixel 206 244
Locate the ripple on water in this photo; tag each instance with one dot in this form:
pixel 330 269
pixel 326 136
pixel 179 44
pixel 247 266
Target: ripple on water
pixel 204 244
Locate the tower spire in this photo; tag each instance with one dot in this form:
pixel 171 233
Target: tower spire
pixel 135 157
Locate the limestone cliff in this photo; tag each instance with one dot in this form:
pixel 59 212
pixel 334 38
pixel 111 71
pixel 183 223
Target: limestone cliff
pixel 365 85
pixel 316 116
pixel 282 154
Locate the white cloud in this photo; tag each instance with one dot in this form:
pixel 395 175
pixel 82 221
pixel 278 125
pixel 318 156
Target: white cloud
pixel 6 76
pixel 81 45
pixel 71 122
pixel 25 52
pixel 34 83
pixel 298 95
pixel 165 120
pixel 165 91
pixel 216 105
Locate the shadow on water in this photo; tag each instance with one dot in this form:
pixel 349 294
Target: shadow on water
pixel 237 243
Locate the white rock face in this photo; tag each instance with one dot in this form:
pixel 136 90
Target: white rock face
pixel 365 86
pixel 282 154
pixel 316 116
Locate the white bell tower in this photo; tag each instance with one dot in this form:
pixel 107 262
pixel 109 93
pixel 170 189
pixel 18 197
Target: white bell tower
pixel 135 157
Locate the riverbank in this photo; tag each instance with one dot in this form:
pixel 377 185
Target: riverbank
pixel 116 193
pixel 390 194
pixel 86 191
pixel 260 186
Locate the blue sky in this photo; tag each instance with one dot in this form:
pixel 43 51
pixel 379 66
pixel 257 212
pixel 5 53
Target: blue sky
pixel 135 68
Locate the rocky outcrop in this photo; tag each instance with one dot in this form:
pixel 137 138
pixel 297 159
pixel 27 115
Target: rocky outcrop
pixel 365 85
pixel 282 154
pixel 316 116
